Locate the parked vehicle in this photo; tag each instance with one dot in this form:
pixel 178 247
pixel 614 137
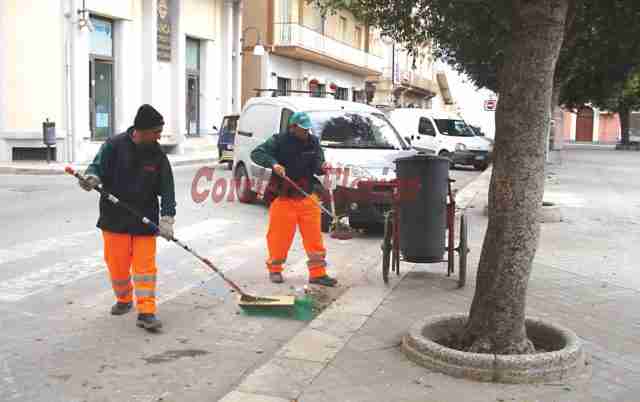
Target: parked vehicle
pixel 354 136
pixel 478 131
pixel 443 134
pixel 226 139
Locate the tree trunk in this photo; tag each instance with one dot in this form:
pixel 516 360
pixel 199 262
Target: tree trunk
pixel 558 118
pixel 625 124
pixel 496 318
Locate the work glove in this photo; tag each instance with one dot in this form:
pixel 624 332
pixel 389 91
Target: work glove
pixel 166 227
pixel 90 182
pixel 279 170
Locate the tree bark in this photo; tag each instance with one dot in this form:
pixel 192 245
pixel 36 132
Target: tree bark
pixel 625 124
pixel 497 314
pixel 558 118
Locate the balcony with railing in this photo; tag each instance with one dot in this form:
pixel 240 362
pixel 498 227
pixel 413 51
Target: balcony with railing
pixel 300 42
pixel 411 80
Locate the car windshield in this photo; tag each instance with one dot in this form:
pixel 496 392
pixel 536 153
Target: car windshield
pixel 342 129
pixel 456 128
pixel 228 130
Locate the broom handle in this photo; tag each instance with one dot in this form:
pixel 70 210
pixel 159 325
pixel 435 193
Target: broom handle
pixel 297 187
pixel 114 200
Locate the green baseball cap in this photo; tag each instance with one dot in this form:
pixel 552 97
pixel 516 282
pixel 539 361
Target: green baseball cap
pixel 300 119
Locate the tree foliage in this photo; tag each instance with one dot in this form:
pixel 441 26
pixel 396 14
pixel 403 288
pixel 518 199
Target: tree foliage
pixel 600 48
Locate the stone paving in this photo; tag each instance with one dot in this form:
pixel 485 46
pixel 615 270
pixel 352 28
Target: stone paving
pixel 570 285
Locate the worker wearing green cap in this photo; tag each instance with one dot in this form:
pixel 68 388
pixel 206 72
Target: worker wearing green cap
pixel 297 155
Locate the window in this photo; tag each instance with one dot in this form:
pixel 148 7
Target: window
pixel 341 129
pixel 101 80
pixel 284 120
pixel 316 20
pixel 456 128
pixel 358 37
pixel 425 127
pixel 284 86
pixel 285 11
pixel 342 93
pixel 359 96
pixel 320 91
pixel 342 29
pixel 193 54
pixel 102 37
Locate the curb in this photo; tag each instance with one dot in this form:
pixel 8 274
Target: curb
pixel 465 197
pixel 59 169
pixel 305 356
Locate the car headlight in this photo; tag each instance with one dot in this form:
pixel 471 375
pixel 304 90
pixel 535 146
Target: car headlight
pixel 460 147
pixel 230 147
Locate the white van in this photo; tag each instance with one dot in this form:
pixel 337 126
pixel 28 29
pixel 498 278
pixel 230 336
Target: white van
pixel 354 136
pixel 443 134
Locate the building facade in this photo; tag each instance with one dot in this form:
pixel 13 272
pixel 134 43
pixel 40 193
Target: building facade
pixel 88 65
pixel 307 54
pixel 406 81
pixel 591 125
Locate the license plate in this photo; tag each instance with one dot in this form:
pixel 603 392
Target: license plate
pixel 480 157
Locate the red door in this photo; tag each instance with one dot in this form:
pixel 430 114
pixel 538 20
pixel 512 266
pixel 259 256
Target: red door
pixel 584 125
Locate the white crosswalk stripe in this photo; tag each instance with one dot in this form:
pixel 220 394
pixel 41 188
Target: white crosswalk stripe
pixel 66 272
pixel 176 280
pixel 33 249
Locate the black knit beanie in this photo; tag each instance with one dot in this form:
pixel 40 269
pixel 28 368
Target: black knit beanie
pixel 147 118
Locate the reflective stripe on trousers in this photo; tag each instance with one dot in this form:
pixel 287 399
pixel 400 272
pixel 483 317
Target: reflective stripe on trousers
pixel 285 214
pixel 126 254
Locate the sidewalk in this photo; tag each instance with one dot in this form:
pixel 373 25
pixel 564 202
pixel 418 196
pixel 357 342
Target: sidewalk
pixel 196 151
pixel 352 353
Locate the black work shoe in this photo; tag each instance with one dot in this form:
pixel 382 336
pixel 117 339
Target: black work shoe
pixel 148 322
pixel 324 281
pixel 121 308
pixel 276 277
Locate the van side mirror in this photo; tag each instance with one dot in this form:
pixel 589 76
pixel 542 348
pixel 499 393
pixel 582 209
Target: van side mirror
pixel 408 139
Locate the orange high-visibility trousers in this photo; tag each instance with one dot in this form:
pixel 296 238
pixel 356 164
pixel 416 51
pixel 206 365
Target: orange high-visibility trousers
pixel 284 215
pixel 125 253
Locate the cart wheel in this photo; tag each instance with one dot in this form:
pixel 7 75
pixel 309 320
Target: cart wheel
pixel 463 251
pixel 395 243
pixel 386 248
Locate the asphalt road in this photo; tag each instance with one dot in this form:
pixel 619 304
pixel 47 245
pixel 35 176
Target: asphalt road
pixel 58 341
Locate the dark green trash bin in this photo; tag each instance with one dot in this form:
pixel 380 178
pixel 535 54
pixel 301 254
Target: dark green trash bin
pixel 422 197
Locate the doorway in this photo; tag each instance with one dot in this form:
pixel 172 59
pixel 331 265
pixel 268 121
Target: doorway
pixel 101 98
pixel 193 87
pixel 584 125
pixel 101 80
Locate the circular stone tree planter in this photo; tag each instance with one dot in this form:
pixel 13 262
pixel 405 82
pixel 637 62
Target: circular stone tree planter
pixel 564 360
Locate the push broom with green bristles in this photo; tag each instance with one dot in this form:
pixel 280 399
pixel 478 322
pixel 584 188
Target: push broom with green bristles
pixel 274 306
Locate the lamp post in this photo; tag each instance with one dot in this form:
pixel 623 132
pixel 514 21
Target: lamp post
pixel 389 41
pixel 258 49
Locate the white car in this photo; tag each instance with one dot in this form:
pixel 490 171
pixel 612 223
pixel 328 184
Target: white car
pixel 354 136
pixel 443 134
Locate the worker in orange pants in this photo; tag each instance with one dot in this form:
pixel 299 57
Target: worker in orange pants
pixel 295 154
pixel 133 168
pixel 284 215
pixel 126 254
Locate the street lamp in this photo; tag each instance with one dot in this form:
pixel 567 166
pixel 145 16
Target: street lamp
pixel 258 49
pixel 389 41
